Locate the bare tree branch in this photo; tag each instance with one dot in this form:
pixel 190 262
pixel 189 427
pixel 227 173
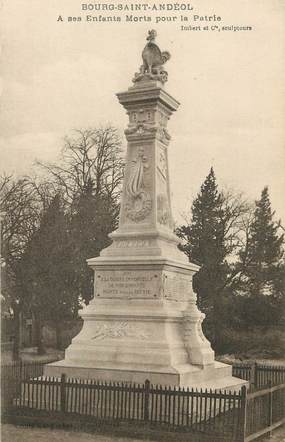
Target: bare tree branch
pixel 92 155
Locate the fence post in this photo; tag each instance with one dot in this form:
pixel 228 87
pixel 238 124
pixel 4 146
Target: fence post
pixel 20 378
pixel 20 370
pixel 254 374
pixel 270 410
pixel 62 393
pixel 146 400
pixel 243 410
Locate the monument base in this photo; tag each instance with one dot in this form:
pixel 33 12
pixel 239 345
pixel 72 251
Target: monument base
pixel 214 376
pixel 143 323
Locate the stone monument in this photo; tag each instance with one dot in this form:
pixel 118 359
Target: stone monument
pixel 143 322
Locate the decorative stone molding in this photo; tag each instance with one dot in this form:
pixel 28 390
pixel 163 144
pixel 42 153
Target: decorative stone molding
pixel 140 129
pixel 118 331
pixel 132 243
pixel 162 162
pixel 141 122
pixel 197 346
pixel 139 202
pixel 163 210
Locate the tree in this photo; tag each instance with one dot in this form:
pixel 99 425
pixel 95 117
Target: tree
pixel 263 263
pixel 89 176
pixel 205 246
pixel 21 205
pixel 22 201
pixel 265 251
pixel 47 275
pixel 93 217
pixel 87 181
pixel 92 154
pixel 211 239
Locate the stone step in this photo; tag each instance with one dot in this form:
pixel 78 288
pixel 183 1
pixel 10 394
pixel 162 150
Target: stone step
pixel 229 383
pixel 215 376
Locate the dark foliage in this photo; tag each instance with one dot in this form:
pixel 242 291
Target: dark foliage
pixel 205 245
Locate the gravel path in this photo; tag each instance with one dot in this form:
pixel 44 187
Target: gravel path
pixel 12 433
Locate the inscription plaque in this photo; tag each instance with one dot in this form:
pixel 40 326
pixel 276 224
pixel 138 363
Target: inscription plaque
pixel 128 284
pixel 177 286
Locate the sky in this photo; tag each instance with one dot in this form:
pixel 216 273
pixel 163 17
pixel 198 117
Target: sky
pixel 58 76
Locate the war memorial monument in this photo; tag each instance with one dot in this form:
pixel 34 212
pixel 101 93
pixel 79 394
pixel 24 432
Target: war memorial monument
pixel 143 322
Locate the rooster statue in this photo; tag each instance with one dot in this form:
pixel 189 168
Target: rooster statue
pixel 153 61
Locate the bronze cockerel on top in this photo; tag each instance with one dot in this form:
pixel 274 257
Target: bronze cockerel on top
pixel 153 61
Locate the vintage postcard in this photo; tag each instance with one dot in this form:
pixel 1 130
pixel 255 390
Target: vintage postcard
pixel 142 157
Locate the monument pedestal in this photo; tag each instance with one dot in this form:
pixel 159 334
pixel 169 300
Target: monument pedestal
pixel 143 322
pixel 151 331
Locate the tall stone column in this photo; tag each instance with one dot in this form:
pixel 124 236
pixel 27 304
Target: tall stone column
pixel 143 321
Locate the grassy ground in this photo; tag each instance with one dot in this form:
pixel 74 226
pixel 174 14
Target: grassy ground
pixel 30 355
pixel 232 358
pixel 13 433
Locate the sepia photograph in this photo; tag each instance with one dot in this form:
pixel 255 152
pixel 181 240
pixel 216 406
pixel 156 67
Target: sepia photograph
pixel 142 232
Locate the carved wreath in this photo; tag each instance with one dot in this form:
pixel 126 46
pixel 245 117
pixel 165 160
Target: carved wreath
pixel 118 331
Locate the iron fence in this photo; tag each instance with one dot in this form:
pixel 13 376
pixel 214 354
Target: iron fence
pixel 232 416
